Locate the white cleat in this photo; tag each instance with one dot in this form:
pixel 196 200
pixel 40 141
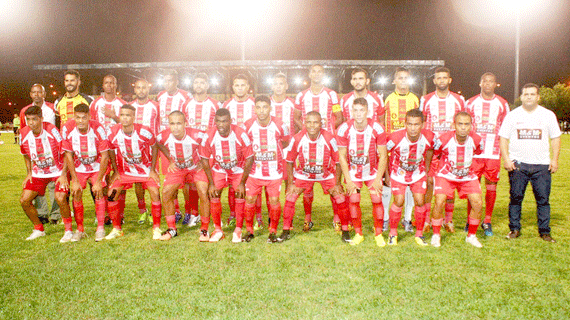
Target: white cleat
pixel 436 240
pixel 156 234
pixel 99 235
pixel 236 238
pixel 216 236
pixel 472 240
pixel 78 235
pixel 36 234
pixel 67 236
pixel 193 221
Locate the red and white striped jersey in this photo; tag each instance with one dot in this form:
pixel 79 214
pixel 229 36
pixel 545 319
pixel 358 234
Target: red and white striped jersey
pixel 456 159
pixel 185 150
pixel 488 116
pixel 313 160
pixel 241 111
pixel 48 114
pixel 375 105
pixel 439 112
pixel 133 152
pixel 266 143
pixel 86 147
pixel 44 150
pixel 362 148
pixel 97 107
pixel 229 153
pixel 284 111
pixel 147 115
pixel 323 102
pixel 396 106
pixel 168 103
pixel 200 114
pixel 408 159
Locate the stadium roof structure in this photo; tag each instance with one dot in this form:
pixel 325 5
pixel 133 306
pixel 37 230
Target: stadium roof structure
pixel 259 71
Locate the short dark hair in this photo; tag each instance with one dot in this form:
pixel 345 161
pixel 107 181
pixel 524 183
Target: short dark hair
pixel 443 69
pixel 357 70
pixel 530 85
pixel 361 101
pixel 172 73
pixel 263 98
pixel 72 72
pixel 82 107
pixel 415 113
pixel 33 111
pixel 110 76
pixel 178 113
pixel 488 74
pixel 222 112
pixel 462 114
pixel 281 75
pixel 240 76
pixel 129 107
pixel 202 75
pixel 400 69
pixel 313 113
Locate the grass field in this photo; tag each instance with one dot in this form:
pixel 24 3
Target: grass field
pixel 312 276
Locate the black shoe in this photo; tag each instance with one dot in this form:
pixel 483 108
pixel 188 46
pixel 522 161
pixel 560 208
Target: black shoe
pixel 546 237
pixel 513 234
pixel 108 221
pixel 285 235
pixel 43 220
pixel 248 237
pixel 346 236
pixel 272 238
pixel 53 221
pixel 173 233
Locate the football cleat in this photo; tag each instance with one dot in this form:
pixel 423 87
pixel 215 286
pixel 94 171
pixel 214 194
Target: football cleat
pixel 204 235
pixel 337 227
pixel 67 235
pixel 156 233
pixel 472 240
pixel 393 240
pixel 449 227
pixel 380 241
pixel 115 233
pixel 487 228
pixel 248 237
pixel 357 239
pixel 272 238
pixel 193 221
pixel 187 218
pixel 436 240
pixel 308 226
pixel 285 235
pixel 178 216
pixel 143 217
pixel 345 236
pixel 217 236
pixel 168 234
pixel 36 234
pixel 78 235
pixel 236 238
pixel 421 241
pixel 408 227
pixel 99 235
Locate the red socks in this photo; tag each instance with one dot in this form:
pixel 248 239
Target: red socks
pixel 249 214
pixel 216 212
pixel 341 210
pixel 490 197
pixel 274 215
pixel 232 201
pixel 191 205
pixel 100 206
pixel 395 216
pixel 449 207
pixel 171 222
pixel 308 206
pixel 473 224
pixel 78 214
pixel 420 219
pixel 114 213
pixel 288 214
pixel 141 205
pixel 377 213
pixel 39 227
pixel 436 225
pixel 355 212
pixel 67 223
pixel 156 210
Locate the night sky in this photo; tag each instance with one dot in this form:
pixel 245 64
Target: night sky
pixel 472 39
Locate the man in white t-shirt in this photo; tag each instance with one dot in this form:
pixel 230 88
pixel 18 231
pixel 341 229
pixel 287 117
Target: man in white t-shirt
pixel 525 149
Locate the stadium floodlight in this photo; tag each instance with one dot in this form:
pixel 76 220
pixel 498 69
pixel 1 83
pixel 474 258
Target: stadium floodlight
pixel 298 81
pixel 327 81
pixel 160 82
pixel 269 81
pixel 214 81
pixel 187 81
pixel 411 81
pixel 382 80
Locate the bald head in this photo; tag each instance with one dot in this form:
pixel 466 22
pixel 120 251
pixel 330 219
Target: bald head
pixel 38 94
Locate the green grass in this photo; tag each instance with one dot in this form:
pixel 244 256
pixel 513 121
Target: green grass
pixel 312 276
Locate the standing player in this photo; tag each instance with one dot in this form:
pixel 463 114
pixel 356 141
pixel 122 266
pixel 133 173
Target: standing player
pixel 230 148
pixel 439 108
pixel 38 95
pixel 360 82
pixel 146 114
pixel 40 144
pixel 268 137
pixel 323 100
pixel 411 151
pixel 179 144
pixel 397 104
pixel 314 157
pixel 86 154
pixel 362 155
pixel 241 107
pixel 171 99
pixel 488 111
pixel 130 156
pixel 105 109
pixel 200 112
pixel 456 149
pixel 64 105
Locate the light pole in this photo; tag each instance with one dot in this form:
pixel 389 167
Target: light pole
pixel 517 50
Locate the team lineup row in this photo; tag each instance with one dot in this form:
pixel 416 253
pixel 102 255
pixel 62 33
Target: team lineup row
pixel 248 144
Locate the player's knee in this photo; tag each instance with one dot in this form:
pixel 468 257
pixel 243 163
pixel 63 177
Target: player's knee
pixel 354 198
pixel 250 199
pixel 339 198
pixel 292 197
pixel 491 187
pixel 60 197
pixel 308 194
pixel 375 198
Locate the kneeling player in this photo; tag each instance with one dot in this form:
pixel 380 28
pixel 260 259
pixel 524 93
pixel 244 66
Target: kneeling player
pixel 268 136
pixel 40 143
pixel 132 163
pixel 362 155
pixel 180 146
pixel 86 154
pixel 315 153
pixel 230 148
pixel 456 149
pixel 411 150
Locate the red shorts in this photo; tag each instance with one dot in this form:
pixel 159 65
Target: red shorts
pixel 359 184
pixel 222 180
pixel 39 185
pixel 91 177
pixel 447 187
pixel 180 177
pixel 490 168
pixel 164 163
pixel 416 187
pixel 127 181
pixel 201 176
pixel 308 185
pixel 433 167
pixel 253 187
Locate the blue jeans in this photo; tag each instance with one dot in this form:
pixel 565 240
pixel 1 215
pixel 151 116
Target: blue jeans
pixel 540 179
